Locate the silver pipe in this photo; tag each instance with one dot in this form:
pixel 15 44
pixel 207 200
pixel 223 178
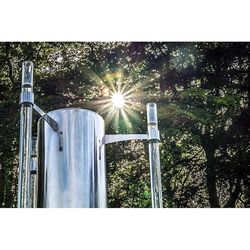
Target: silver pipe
pixel 33 173
pixel 154 156
pixel 25 141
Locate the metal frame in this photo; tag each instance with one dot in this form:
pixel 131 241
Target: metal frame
pixel 26 158
pixel 154 155
pixel 25 144
pixel 153 138
pixel 25 140
pixel 123 137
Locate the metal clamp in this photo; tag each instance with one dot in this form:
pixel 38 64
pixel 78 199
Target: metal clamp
pixel 153 133
pixel 26 97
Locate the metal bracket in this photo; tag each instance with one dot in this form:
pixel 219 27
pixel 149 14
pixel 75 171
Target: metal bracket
pixel 26 97
pixel 121 137
pixel 52 123
pixel 153 133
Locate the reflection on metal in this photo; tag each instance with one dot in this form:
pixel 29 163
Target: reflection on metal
pixel 120 137
pixel 154 156
pixel 33 164
pixel 27 75
pixel 74 177
pixel 33 173
pixel 73 174
pixel 26 97
pixel 25 142
pixel 53 124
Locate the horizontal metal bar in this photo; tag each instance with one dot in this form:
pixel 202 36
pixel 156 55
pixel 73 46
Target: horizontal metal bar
pixel 121 137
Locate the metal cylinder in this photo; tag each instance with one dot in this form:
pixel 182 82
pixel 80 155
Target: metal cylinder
pixel 155 174
pixel 27 74
pixel 25 140
pixel 33 173
pixel 75 176
pixel 154 156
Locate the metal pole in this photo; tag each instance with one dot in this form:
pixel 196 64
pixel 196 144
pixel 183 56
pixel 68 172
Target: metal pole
pixel 25 142
pixel 33 173
pixel 154 155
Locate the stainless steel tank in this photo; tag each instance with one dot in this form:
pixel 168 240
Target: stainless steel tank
pixel 74 176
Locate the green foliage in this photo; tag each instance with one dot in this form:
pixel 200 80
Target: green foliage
pixel 202 92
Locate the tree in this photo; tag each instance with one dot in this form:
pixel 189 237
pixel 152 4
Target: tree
pixel 202 92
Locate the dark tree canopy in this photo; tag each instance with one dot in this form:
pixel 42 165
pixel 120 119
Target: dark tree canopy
pixel 202 92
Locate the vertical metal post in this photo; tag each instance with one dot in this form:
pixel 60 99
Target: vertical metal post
pixel 33 173
pixel 25 142
pixel 154 155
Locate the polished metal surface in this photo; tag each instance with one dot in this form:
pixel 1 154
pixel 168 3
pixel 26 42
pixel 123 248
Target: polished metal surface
pixel 25 144
pixel 25 141
pixel 33 173
pixel 122 137
pixel 155 174
pixel 75 176
pixel 153 132
pixel 69 170
pixel 27 74
pixel 53 124
pixel 26 97
pixel 154 156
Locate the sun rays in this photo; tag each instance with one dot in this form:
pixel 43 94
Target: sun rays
pixel 119 103
pixel 120 99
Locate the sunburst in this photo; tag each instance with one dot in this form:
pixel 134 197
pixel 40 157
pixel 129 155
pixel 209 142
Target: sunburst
pixel 119 103
pixel 118 100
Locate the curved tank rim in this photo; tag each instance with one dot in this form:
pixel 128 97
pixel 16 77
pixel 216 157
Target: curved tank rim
pixel 63 109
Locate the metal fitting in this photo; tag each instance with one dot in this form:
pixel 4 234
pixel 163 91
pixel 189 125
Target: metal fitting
pixel 26 97
pixel 152 114
pixel 153 132
pixel 27 74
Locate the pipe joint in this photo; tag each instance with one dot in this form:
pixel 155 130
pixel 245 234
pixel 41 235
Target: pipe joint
pixel 26 98
pixel 153 133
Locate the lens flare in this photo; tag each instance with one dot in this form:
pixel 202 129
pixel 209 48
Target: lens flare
pixel 118 100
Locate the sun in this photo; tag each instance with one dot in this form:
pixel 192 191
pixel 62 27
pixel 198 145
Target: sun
pixel 118 100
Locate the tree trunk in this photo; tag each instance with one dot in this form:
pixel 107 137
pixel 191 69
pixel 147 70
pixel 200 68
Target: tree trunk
pixel 234 195
pixel 1 187
pixel 209 148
